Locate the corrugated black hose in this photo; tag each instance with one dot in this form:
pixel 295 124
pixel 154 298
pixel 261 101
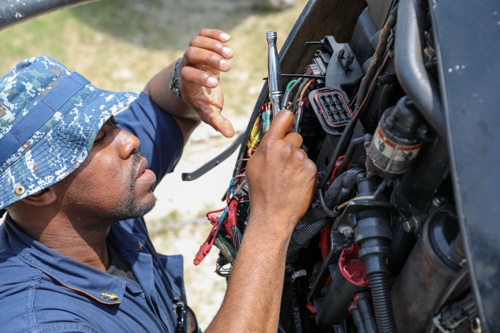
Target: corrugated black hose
pixel 340 189
pixel 373 235
pixel 381 302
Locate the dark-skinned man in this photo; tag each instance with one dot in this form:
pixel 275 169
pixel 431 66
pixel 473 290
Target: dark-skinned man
pixel 78 166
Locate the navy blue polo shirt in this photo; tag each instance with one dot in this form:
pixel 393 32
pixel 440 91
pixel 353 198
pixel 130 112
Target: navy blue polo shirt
pixel 44 291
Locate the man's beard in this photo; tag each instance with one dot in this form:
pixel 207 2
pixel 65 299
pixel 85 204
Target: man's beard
pixel 131 208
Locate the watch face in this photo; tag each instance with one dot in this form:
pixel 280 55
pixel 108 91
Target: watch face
pixel 175 89
pixel 175 80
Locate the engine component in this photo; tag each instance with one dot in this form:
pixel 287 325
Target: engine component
pixel 410 69
pixel 337 63
pixel 331 109
pixel 363 302
pixel 373 234
pixel 396 141
pixel 371 111
pixel 458 313
pixel 348 278
pixel 431 266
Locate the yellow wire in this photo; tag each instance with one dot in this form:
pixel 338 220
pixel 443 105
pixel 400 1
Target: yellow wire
pixel 366 197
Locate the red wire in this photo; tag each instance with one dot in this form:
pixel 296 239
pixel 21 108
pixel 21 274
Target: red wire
pixel 214 211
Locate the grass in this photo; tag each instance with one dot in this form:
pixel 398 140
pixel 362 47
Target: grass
pixel 120 44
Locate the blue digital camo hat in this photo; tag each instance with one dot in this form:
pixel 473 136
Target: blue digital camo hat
pixel 49 118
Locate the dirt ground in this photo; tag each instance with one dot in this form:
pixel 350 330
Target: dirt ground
pixel 187 202
pixel 183 205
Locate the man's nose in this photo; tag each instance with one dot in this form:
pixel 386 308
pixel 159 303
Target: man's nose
pixel 128 143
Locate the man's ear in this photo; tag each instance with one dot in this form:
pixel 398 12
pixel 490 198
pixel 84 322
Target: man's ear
pixel 42 198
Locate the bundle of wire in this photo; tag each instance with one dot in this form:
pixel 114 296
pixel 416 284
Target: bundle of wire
pixel 228 227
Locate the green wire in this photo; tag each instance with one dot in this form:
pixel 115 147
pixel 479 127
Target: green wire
pixel 225 248
pixel 289 85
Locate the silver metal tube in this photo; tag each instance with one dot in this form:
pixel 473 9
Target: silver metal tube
pixel 409 63
pixel 274 73
pixel 14 11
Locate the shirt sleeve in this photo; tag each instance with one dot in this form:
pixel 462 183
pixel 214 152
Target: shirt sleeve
pixel 161 138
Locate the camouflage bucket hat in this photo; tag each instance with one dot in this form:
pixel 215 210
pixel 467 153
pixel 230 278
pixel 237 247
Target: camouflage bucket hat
pixel 49 118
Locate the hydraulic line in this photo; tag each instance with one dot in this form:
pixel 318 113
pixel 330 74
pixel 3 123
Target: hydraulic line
pixel 350 152
pixel 303 235
pixel 357 318
pixel 332 195
pixel 363 301
pixel 343 185
pixel 410 67
pixel 381 302
pixel 331 198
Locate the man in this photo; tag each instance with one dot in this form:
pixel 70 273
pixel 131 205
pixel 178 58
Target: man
pixel 74 251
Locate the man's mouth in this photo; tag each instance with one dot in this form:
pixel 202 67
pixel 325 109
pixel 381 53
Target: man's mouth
pixel 144 175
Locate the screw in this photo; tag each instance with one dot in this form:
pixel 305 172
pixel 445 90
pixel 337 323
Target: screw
pixel 346 231
pixel 412 225
pixel 438 201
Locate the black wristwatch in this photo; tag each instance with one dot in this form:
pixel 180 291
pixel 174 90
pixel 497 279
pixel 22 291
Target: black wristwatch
pixel 174 81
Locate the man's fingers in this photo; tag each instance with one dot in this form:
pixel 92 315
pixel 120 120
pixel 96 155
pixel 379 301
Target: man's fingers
pixel 282 124
pixel 199 58
pixel 199 77
pixel 221 124
pixel 294 138
pixel 211 45
pixel 215 34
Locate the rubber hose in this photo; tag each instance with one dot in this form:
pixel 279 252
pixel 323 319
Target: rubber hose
pixel 333 192
pixel 357 319
pixel 302 236
pixel 382 303
pixel 342 184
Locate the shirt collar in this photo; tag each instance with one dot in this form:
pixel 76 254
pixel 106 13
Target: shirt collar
pixel 139 251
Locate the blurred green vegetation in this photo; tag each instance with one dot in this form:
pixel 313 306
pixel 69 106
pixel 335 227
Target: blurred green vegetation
pixel 120 44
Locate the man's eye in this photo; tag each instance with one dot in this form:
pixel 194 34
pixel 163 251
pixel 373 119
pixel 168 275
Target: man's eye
pixel 99 138
pixel 113 120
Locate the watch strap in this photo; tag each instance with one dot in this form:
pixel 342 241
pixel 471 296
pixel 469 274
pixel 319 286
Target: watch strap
pixel 174 80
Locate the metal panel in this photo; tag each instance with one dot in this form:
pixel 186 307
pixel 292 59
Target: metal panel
pixel 467 35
